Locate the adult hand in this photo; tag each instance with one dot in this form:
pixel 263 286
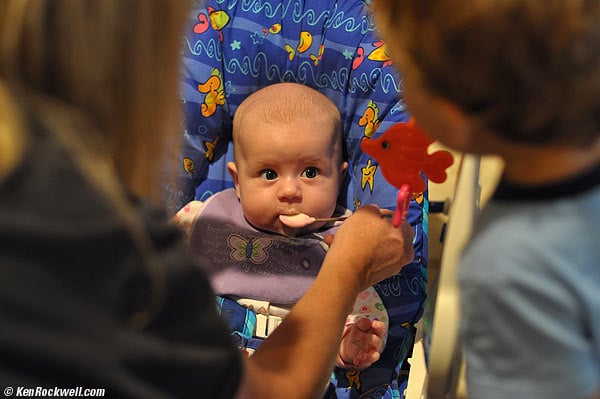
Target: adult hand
pixel 369 243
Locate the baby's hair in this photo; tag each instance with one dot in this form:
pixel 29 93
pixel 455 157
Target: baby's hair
pixel 527 69
pixel 284 103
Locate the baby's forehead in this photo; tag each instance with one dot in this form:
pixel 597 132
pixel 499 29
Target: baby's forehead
pixel 312 128
pixel 297 139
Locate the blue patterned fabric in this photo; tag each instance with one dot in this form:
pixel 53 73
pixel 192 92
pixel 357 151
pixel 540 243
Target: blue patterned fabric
pixel 234 47
pixel 239 318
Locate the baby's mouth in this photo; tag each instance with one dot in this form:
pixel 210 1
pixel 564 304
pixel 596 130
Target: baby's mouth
pixel 296 221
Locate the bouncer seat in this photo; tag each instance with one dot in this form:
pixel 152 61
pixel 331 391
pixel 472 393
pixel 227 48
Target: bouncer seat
pixel 235 47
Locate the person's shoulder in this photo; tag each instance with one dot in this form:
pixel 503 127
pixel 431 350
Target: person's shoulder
pixel 530 240
pixel 48 187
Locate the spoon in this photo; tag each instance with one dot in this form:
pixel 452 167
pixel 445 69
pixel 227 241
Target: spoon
pixel 300 220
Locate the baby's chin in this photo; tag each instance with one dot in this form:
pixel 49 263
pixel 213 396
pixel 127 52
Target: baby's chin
pixel 282 229
pixel 276 227
pixel 296 232
pixel 287 231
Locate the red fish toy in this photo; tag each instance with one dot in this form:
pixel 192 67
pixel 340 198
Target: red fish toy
pixel 401 152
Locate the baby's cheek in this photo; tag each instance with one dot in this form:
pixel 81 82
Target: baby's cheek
pixel 261 219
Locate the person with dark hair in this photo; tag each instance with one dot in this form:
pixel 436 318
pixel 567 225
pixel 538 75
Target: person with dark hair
pixel 519 79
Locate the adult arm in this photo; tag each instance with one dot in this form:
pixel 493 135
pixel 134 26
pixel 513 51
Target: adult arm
pixel 297 359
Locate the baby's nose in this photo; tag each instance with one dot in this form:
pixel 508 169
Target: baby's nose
pixel 289 189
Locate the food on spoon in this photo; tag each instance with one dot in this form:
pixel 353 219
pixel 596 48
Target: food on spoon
pixel 296 221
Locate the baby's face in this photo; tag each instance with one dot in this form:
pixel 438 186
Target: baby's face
pixel 284 170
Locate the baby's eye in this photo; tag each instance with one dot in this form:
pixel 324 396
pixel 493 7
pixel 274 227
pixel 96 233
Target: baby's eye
pixel 269 174
pixel 310 172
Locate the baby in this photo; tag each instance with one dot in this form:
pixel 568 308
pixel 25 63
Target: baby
pixel 288 163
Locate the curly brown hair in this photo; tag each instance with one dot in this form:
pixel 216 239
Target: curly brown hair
pixel 528 69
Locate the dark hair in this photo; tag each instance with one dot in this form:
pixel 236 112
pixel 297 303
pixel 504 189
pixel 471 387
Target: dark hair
pixel 527 69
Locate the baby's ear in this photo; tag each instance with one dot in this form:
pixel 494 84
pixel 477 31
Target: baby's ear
pixel 232 169
pixel 343 170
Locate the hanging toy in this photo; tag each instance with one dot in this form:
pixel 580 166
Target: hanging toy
pixel 401 152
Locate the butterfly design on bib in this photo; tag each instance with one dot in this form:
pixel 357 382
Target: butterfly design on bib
pixel 253 249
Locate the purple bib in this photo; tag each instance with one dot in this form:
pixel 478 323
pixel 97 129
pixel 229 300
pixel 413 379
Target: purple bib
pixel 245 262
